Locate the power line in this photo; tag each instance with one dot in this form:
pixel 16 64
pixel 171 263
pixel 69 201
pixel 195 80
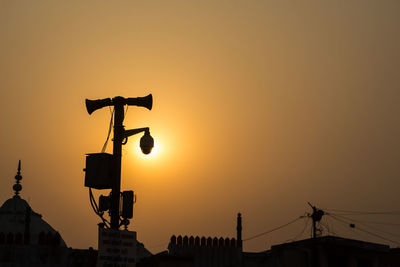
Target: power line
pixel 328 229
pixel 355 212
pixel 348 230
pixel 325 226
pixel 368 226
pixel 299 234
pixel 365 231
pixel 302 231
pixel 274 229
pixel 374 222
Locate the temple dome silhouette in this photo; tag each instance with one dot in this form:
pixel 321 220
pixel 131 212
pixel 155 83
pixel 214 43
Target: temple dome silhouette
pixel 19 224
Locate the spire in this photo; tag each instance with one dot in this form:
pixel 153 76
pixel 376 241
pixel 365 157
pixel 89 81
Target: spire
pixel 17 186
pixel 239 230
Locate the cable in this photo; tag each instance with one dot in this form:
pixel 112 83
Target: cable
pixel 109 131
pixel 324 225
pixel 328 226
pixel 368 226
pixel 93 202
pixel 364 221
pixel 349 230
pixel 96 208
pixel 126 111
pixel 346 225
pixel 274 229
pixel 299 234
pixel 365 231
pixel 375 222
pixel 354 212
pixel 302 231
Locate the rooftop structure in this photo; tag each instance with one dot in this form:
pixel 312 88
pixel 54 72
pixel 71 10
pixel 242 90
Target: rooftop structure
pixel 19 224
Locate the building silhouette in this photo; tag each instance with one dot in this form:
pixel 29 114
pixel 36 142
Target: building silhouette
pixel 26 239
pixel 324 251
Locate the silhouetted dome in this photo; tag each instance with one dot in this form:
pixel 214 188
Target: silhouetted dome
pixel 13 215
pixel 14 205
pixel 17 219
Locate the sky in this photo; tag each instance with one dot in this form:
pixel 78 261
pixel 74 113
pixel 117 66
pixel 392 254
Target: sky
pixel 259 107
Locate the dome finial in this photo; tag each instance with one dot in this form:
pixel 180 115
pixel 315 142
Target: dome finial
pixel 17 186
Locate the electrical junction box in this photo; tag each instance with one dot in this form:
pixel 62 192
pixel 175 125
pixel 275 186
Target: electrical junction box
pixel 127 204
pixel 100 170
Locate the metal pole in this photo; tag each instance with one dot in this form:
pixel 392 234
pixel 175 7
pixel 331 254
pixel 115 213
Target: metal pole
pixel 239 230
pixel 119 135
pixel 118 103
pixel 314 220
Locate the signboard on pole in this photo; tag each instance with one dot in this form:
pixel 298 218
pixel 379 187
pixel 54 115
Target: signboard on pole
pixel 117 248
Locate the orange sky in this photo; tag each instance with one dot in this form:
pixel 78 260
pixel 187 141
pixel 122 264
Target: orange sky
pixel 259 107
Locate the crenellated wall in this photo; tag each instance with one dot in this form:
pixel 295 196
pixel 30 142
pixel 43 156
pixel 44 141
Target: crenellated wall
pixel 207 251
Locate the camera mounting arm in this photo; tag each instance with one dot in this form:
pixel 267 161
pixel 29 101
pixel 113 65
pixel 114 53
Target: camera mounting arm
pixel 128 133
pixel 146 142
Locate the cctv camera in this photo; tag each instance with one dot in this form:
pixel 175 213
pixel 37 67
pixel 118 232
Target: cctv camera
pixel 146 143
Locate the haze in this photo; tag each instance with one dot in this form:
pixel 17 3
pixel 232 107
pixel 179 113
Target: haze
pixel 259 107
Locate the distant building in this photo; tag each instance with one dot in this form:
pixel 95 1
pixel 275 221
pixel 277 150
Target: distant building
pixel 28 240
pixel 200 252
pixel 326 251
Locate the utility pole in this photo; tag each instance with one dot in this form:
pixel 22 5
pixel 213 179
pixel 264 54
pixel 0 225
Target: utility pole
pixel 120 138
pixel 117 149
pixel 316 216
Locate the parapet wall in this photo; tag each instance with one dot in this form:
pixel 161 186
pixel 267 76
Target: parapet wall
pixel 203 241
pixel 207 251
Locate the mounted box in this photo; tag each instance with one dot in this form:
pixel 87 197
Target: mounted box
pixel 100 170
pixel 127 204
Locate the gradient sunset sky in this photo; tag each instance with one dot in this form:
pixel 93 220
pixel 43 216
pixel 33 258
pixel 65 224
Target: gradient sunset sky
pixel 259 107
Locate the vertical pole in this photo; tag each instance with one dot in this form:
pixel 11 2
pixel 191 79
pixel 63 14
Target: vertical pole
pixel 313 216
pixel 239 230
pixel 314 232
pixel 118 103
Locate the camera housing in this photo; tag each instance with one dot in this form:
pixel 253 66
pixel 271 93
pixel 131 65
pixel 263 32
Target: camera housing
pixel 146 143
